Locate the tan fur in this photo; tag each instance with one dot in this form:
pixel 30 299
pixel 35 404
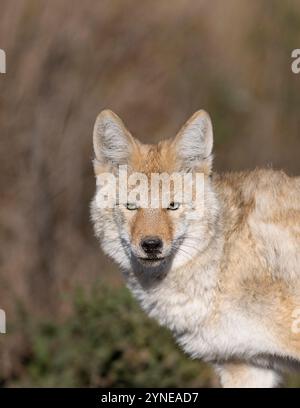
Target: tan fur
pixel 228 296
pixel 153 223
pixel 275 297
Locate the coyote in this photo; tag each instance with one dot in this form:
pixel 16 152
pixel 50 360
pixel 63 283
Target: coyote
pixel 225 279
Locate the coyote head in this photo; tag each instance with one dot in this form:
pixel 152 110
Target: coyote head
pixel 157 237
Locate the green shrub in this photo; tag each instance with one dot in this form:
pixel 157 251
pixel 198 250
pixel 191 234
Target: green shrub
pixel 108 341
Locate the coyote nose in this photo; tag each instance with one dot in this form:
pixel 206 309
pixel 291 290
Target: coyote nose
pixel 151 245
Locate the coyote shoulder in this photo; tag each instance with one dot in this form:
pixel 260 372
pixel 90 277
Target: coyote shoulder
pixel 225 279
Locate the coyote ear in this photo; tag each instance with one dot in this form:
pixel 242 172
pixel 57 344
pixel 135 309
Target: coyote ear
pixel 194 142
pixel 112 142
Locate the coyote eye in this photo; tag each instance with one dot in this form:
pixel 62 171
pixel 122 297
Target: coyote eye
pixel 131 206
pixel 173 206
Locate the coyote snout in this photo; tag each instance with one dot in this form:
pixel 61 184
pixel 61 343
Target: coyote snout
pixel 153 251
pixel 220 269
pixel 152 247
pixel 151 236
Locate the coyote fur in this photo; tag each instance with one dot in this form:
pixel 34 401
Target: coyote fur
pixel 224 279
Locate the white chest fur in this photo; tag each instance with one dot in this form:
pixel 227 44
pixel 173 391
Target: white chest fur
pixel 205 328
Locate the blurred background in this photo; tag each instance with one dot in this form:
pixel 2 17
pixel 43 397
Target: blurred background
pixel 70 321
